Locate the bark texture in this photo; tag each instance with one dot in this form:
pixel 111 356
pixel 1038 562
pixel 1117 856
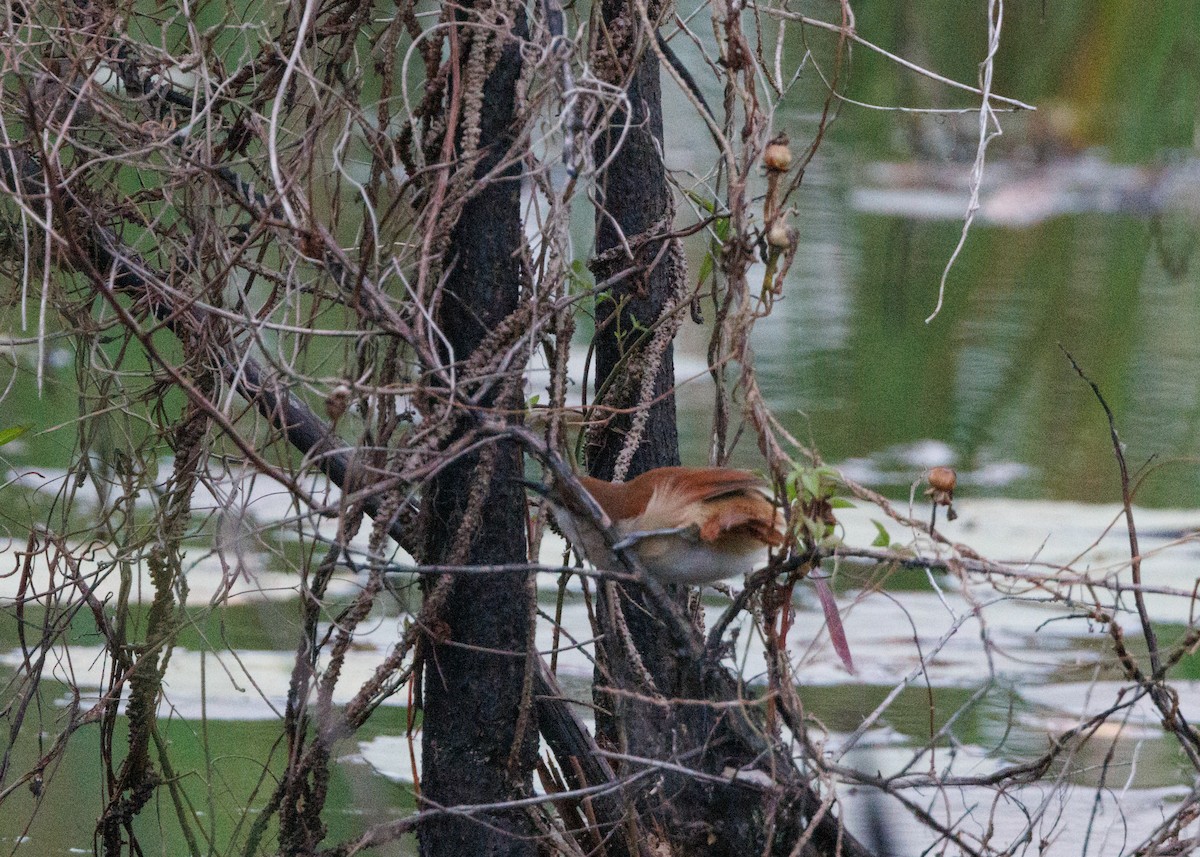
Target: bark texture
pixel 477 747
pixel 634 206
pixel 686 814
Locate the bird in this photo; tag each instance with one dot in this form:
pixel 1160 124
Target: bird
pixel 690 525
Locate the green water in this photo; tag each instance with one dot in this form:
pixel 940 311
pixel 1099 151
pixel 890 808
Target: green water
pixel 225 772
pixel 847 360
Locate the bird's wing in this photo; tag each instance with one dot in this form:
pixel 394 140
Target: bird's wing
pixel 711 483
pixel 746 512
pixel 715 501
pixel 732 502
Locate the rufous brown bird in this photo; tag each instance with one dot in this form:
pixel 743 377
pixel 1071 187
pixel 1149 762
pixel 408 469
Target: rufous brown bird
pixel 683 524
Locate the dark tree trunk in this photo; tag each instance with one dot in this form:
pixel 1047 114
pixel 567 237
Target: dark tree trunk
pixel 633 200
pixel 634 209
pixel 697 818
pixel 475 659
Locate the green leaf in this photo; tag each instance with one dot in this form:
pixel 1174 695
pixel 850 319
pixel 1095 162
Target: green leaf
pixel 721 228
pixel 830 541
pixel 883 539
pixel 811 483
pixel 707 204
pixel 580 276
pixel 706 267
pixel 10 434
pixel 840 503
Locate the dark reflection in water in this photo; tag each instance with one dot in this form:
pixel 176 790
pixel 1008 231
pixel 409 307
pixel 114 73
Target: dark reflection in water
pixel 1085 238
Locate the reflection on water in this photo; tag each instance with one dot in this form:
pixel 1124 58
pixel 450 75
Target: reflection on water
pixel 1007 669
pixel 848 359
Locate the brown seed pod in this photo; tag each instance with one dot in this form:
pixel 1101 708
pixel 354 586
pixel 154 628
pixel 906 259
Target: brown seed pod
pixel 778 157
pixel 943 479
pixel 337 401
pixel 779 235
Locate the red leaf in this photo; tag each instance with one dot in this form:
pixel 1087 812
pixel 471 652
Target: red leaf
pixel 837 634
